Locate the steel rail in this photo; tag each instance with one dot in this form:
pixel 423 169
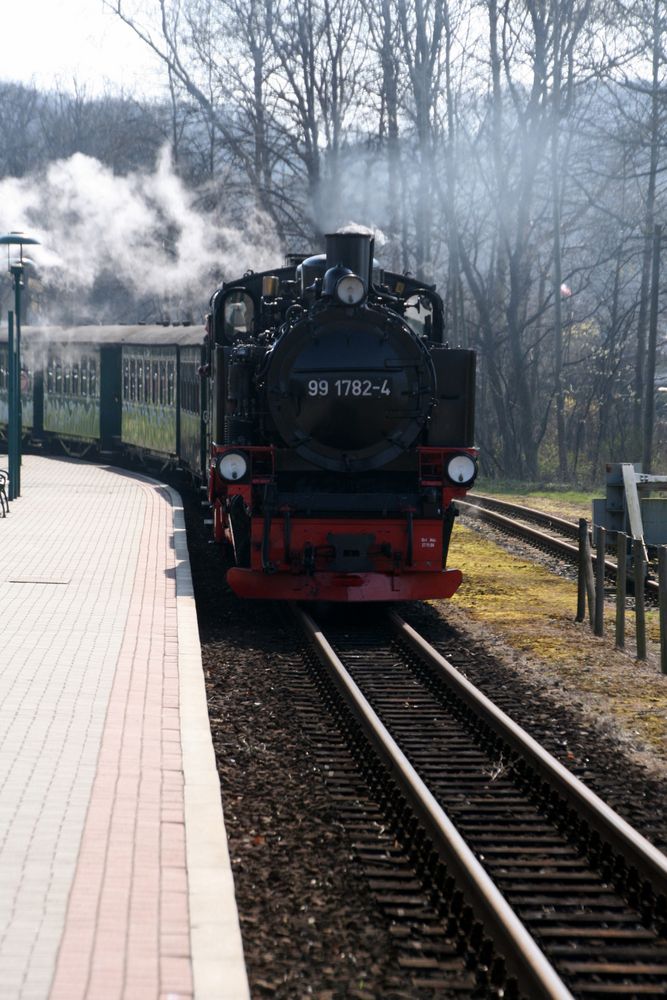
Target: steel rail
pixel 567 528
pixel 524 960
pixel 561 548
pixel 636 849
pixel 557 545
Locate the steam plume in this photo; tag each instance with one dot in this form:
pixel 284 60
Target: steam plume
pixel 142 230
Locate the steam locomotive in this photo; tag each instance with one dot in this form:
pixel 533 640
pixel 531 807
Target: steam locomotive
pixel 323 410
pixel 341 430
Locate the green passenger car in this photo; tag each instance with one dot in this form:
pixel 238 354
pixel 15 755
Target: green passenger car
pixel 27 394
pixel 149 398
pixel 72 391
pixel 116 389
pixel 192 407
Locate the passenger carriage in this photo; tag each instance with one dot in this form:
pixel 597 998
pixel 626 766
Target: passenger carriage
pixel 112 389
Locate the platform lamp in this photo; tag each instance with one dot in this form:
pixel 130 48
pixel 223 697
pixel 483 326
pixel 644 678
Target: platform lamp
pixel 15 268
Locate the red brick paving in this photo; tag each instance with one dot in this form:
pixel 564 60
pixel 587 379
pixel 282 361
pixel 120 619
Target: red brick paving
pixel 151 843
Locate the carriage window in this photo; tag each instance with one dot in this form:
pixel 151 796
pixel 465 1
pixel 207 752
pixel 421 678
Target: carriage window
pixel 126 380
pixel 50 377
pixel 67 380
pixel 239 314
pixel 155 388
pixel 92 378
pixel 185 385
pixel 147 381
pixel 59 378
pixel 133 380
pixel 170 383
pixel 84 377
pixel 75 379
pixel 163 383
pixel 140 381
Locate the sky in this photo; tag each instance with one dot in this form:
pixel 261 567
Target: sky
pixel 48 42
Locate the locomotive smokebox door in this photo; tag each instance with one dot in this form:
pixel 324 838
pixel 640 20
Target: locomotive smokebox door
pixel 354 395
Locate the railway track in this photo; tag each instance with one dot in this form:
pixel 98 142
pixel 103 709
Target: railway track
pixel 546 532
pixel 543 888
pixel 559 525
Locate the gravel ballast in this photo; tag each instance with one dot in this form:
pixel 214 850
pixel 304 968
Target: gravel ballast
pixel 310 924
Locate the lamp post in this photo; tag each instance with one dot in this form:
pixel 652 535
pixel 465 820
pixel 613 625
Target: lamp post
pixel 15 268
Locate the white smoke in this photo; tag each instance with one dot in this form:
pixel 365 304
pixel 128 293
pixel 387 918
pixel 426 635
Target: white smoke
pixel 144 229
pixel 354 227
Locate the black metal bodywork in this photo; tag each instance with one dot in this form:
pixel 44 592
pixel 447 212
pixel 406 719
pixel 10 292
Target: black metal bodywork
pixel 344 395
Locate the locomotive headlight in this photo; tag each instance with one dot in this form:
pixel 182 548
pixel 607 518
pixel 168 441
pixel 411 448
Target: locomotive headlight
pixel 462 470
pixel 232 466
pixel 350 290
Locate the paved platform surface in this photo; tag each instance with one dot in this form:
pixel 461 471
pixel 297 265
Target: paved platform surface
pixel 115 880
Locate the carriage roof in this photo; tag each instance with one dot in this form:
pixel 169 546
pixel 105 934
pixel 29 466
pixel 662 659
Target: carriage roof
pixel 139 334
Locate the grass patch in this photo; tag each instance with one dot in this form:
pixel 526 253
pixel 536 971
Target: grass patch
pixel 532 610
pixel 520 598
pixel 566 502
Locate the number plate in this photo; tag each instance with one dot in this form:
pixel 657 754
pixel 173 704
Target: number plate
pixel 341 387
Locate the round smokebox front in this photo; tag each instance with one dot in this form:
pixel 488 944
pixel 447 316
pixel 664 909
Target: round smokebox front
pixel 347 394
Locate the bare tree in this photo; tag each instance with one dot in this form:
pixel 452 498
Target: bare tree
pixel 20 150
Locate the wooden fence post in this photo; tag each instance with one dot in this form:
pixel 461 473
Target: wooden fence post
pixel 662 590
pixel 588 571
pixel 640 611
pixel 581 571
pixel 599 580
pixel 621 586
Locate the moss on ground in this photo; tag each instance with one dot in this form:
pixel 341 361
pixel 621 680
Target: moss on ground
pixel 532 610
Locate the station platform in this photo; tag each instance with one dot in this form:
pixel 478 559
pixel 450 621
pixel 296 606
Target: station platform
pixel 115 880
